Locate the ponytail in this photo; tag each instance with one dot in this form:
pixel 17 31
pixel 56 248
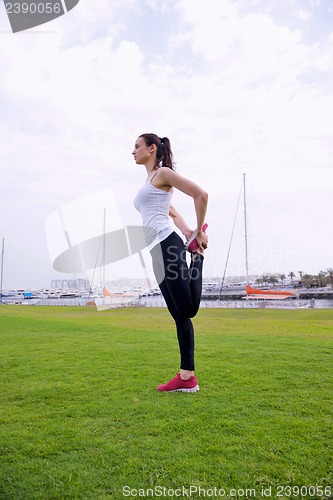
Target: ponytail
pixel 164 156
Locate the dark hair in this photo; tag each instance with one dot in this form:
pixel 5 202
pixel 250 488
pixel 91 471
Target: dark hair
pixel 164 156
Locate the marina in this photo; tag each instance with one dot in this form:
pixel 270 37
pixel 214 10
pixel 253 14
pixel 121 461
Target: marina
pixel 212 297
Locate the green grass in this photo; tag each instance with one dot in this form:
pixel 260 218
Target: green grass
pixel 81 418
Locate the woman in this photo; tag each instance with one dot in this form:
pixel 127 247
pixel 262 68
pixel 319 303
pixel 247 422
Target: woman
pixel 180 285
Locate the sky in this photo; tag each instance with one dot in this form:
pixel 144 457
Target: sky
pixel 239 86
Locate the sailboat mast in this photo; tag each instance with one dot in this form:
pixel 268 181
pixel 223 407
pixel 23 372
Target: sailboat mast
pixel 1 278
pixel 245 230
pixel 104 246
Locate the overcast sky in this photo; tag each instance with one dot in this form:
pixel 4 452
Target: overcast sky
pixel 237 85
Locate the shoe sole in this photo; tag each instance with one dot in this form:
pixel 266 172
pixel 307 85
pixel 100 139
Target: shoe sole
pixel 192 389
pixel 192 239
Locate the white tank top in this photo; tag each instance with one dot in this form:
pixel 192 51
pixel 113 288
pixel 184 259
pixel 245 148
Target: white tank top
pixel 154 205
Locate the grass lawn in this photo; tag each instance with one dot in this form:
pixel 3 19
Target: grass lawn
pixel 80 416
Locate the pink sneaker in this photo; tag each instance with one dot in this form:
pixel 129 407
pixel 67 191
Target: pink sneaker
pixel 191 244
pixel 177 384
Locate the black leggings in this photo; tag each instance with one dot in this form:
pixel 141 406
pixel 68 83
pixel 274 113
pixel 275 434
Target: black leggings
pixel 181 288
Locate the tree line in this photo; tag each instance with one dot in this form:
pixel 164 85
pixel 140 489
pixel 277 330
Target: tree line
pixel 303 280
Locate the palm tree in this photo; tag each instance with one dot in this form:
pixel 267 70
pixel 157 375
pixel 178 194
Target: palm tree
pixel 273 279
pixel 321 276
pixel 282 278
pixel 308 280
pixel 264 278
pixel 291 275
pixel 329 274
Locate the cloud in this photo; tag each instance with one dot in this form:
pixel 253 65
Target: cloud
pixel 234 86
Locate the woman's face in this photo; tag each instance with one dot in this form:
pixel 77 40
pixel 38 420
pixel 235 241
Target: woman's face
pixel 142 152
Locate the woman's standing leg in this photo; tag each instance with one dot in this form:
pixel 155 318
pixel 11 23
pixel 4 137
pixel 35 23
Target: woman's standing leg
pixel 185 331
pixel 181 288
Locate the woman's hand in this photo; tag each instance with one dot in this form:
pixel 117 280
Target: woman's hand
pixel 202 240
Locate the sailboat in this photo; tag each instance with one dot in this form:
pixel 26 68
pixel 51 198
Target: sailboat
pixel 108 294
pixel 111 299
pixel 257 293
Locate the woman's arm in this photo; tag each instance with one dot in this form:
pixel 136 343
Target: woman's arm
pixel 169 178
pixel 179 221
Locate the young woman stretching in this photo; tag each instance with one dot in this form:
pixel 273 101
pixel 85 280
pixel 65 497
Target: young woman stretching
pixel 180 285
